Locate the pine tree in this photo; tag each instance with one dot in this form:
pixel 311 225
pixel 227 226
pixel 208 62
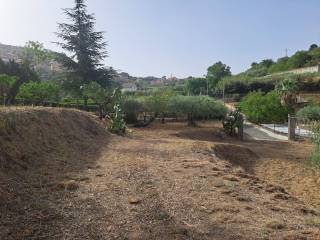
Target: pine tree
pixel 85 46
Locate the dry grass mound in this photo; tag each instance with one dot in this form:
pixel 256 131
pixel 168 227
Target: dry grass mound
pixel 40 148
pixel 237 155
pixel 203 134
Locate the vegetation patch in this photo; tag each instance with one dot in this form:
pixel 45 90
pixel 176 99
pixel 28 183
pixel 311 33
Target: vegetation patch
pixel 309 113
pixel 166 104
pixel 264 108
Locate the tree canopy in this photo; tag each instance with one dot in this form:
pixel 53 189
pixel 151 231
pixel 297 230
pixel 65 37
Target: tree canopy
pixel 216 72
pixel 85 46
pixel 196 86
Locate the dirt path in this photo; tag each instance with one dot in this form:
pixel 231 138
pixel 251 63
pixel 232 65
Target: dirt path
pixel 164 183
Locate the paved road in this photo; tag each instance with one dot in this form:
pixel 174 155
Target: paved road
pixel 257 133
pixel 252 131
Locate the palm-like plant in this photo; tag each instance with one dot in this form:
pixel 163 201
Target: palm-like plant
pixel 287 89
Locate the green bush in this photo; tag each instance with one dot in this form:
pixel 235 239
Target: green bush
pixel 315 156
pixel 117 124
pixel 233 121
pixel 39 92
pixel 201 107
pixel 132 107
pixel 6 82
pixel 158 101
pixel 167 105
pixel 264 108
pixel 309 113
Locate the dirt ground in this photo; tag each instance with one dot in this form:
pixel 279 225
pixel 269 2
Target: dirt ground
pixel 164 182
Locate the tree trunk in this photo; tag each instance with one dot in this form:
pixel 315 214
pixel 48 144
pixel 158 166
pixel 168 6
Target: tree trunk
pixel 191 122
pixel 14 91
pixel 100 112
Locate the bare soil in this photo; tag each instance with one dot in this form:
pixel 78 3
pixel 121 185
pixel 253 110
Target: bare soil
pixel 72 180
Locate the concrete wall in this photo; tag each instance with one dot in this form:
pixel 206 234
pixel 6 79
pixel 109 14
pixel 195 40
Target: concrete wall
pixel 313 69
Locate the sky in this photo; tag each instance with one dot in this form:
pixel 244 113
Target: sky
pixel 179 37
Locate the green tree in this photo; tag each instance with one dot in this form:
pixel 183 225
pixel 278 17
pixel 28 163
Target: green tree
pixel 196 86
pixel 95 92
pixel 6 83
pixel 35 53
pixel 216 72
pixel 23 73
pixel 260 108
pixel 287 90
pixel 279 66
pixel 106 99
pixel 313 46
pixel 158 101
pixel 39 92
pixel 266 63
pixel 86 47
pixel 196 107
pixel 298 60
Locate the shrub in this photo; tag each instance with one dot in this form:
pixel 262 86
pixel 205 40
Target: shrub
pixel 117 124
pixel 232 121
pixel 38 92
pixel 158 101
pixel 309 113
pixel 6 82
pixel 132 107
pixel 197 108
pixel 315 156
pixel 95 92
pixel 260 108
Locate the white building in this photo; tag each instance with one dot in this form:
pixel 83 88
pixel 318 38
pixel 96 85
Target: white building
pixel 129 87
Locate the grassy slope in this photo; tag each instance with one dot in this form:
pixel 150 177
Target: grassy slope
pixel 41 150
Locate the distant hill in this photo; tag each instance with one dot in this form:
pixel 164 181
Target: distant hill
pixel 52 69
pixel 8 52
pixel 300 59
pixel 49 70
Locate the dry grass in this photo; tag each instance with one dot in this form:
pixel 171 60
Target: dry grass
pixel 161 182
pixel 39 149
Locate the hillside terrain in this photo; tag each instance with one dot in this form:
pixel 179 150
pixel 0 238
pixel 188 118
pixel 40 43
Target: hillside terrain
pixel 9 52
pixel 52 69
pixel 64 177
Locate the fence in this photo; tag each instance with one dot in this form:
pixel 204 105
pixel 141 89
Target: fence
pixel 297 129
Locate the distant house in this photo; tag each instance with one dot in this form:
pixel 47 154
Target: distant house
pixel 129 87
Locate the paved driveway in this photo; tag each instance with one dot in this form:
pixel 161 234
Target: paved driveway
pixel 257 133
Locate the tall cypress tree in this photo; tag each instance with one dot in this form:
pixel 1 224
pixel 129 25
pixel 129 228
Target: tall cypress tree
pixel 85 46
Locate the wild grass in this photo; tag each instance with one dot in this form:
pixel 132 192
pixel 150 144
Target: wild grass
pixel 315 156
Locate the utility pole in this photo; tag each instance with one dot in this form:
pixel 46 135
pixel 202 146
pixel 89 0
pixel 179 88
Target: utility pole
pixel 206 77
pixel 223 90
pixel 286 52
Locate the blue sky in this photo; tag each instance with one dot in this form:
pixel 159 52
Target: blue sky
pixel 183 37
